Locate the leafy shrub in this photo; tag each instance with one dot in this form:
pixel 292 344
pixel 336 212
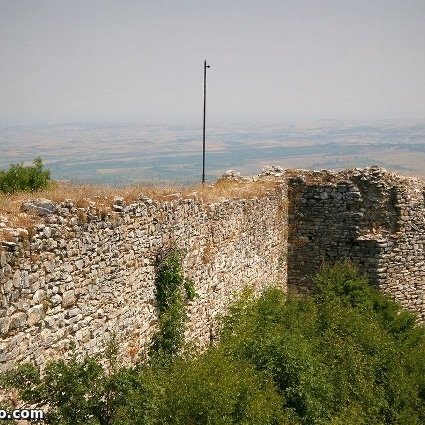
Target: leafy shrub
pixel 209 389
pixel 346 355
pixel 170 335
pixel 77 391
pixel 342 283
pixel 170 285
pixel 24 178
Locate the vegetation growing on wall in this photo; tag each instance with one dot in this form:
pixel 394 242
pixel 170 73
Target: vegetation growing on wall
pixel 345 355
pixel 172 290
pixel 24 178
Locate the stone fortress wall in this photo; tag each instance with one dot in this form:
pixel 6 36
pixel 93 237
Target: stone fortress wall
pixel 86 274
pixel 373 217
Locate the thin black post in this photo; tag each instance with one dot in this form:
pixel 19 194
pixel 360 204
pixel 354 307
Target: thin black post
pixel 203 128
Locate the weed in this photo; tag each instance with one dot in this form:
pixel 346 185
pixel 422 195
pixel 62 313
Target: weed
pixel 169 284
pixel 47 305
pixel 189 287
pixel 208 253
pixel 82 216
pixel 102 212
pixel 7 236
pixel 82 203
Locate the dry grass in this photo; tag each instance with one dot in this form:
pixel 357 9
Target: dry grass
pixel 227 189
pixel 102 196
pixel 10 209
pixel 81 195
pixel 7 236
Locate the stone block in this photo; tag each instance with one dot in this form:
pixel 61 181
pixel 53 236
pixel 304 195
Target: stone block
pixel 68 298
pixel 40 207
pixel 4 325
pixel 39 296
pixel 35 314
pixel 3 259
pixel 56 299
pixel 17 320
pixel 17 279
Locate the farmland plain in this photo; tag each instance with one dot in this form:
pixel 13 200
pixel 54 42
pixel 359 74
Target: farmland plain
pixel 126 154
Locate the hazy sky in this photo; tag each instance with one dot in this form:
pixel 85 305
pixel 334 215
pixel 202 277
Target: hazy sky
pixel 142 60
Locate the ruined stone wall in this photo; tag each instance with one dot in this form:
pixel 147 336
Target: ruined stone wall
pixel 373 217
pixel 86 274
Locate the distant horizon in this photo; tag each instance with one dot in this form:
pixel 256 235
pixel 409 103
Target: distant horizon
pixel 194 123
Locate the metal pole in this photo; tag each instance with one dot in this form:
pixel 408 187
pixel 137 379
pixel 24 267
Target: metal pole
pixel 203 127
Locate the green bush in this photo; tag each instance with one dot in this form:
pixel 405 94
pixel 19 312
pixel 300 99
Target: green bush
pixel 210 389
pixel 347 355
pixel 207 389
pixel 341 283
pixel 170 285
pixel 78 392
pixel 24 178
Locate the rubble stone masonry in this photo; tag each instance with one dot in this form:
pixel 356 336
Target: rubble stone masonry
pixel 371 216
pixel 86 274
